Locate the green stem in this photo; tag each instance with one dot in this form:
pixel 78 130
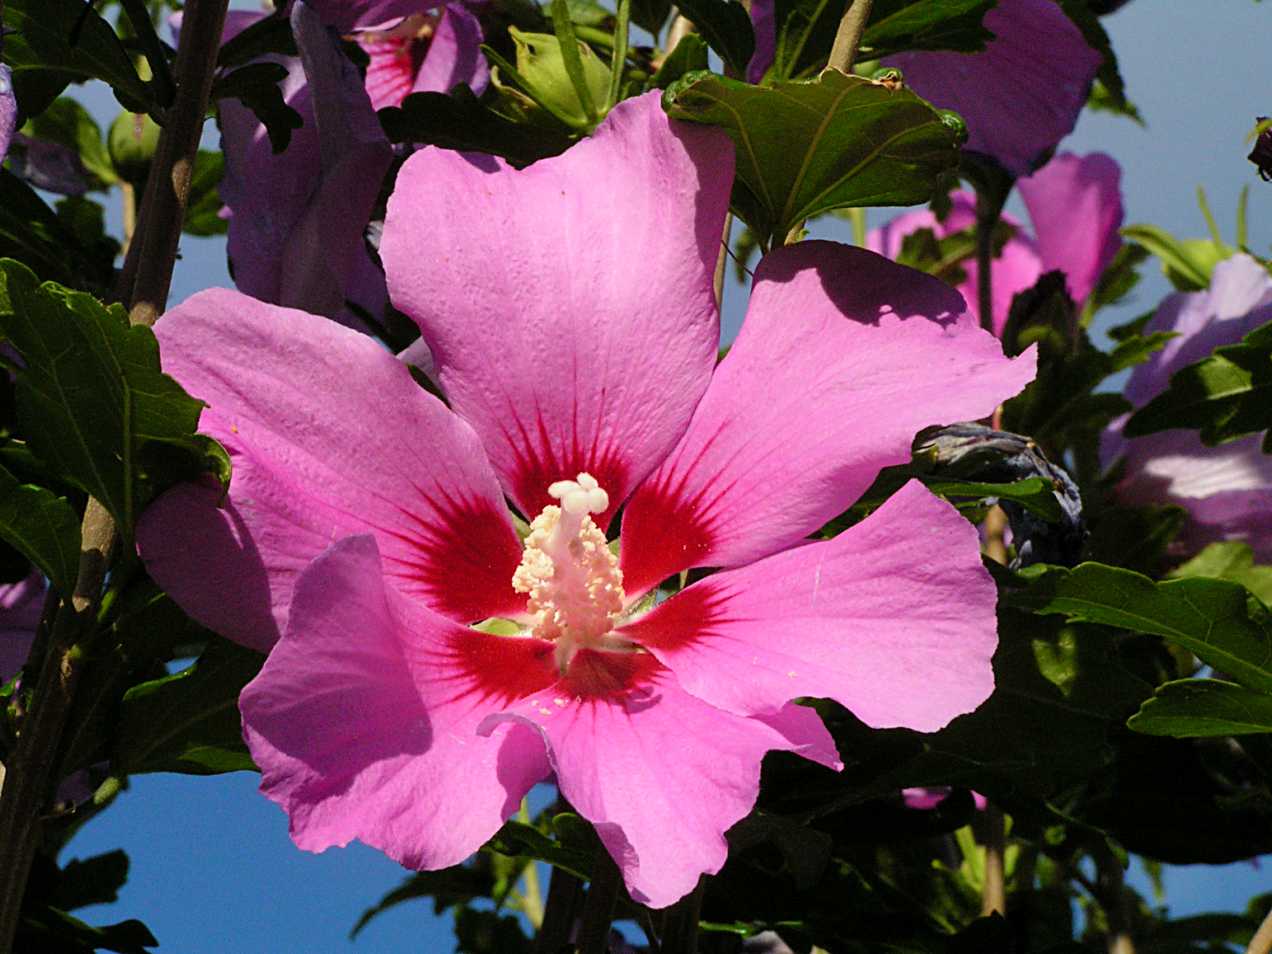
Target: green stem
pixel 988 210
pixel 619 59
pixel 848 37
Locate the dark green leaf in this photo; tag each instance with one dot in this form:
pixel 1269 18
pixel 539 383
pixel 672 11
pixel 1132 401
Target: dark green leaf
pixel 189 722
pixel 519 839
pixel 650 15
pixel 43 527
pixel 460 121
pixel 71 39
pixel 271 34
pixel 804 148
pixel 203 212
pixel 488 932
pixel 447 887
pixel 32 233
pixel 1034 494
pixel 1192 708
pixel 92 399
pixel 1117 280
pixel 68 123
pixel 898 25
pixel 1231 560
pixel 1225 396
pixel 689 56
pixel 1109 76
pixel 94 880
pixel 805 32
pixel 726 26
pixel 1210 618
pixel 256 87
pixel 52 929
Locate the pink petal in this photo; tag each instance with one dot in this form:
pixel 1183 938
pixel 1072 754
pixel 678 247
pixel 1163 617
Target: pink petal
pixel 893 619
pixel 661 774
pixel 329 436
pixel 454 54
pixel 1075 203
pixel 842 358
pixel 8 110
pixel 363 719
pixel 391 67
pixel 1016 268
pixel 571 317
pixel 1022 94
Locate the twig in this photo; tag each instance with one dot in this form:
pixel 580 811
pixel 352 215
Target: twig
pixel 848 37
pixel 1261 943
pixel 994 891
pixel 30 777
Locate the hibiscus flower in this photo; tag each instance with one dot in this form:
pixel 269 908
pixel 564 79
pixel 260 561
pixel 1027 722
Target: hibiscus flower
pixel 1075 208
pixel 570 312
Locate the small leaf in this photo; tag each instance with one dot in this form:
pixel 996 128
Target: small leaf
pixel 92 400
pixel 94 880
pixel 256 86
pixel 1036 495
pixel 726 26
pixel 1210 618
pixel 447 887
pixel 690 55
pixel 804 148
pixel 899 25
pixel 270 34
pixel 32 233
pixel 1186 262
pixel 68 123
pixel 1230 560
pixel 203 214
pixel 189 722
pixel 1197 708
pixel 43 526
pixel 1225 396
pixel 73 41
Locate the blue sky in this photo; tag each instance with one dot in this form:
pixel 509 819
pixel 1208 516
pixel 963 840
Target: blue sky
pixel 212 867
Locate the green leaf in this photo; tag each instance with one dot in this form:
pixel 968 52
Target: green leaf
pixel 1117 281
pixel 43 526
pixel 460 121
pixel 72 40
pixel 1033 493
pixel 1186 262
pixel 189 722
pixel 650 15
pixel 203 212
pixel 270 34
pixel 1197 708
pixel 804 148
pixel 447 887
pixel 726 26
pixel 92 400
pixel 519 839
pixel 256 86
pixel 1211 618
pixel 566 81
pixel 689 56
pixel 1230 560
pixel 52 929
pixel 899 25
pixel 1225 396
pixel 32 233
pixel 68 123
pixel 94 880
pixel 1109 77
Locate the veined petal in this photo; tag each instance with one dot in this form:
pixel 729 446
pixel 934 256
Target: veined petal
pixel 300 404
pixel 1022 94
pixel 363 719
pixel 893 619
pixel 1075 203
pixel 569 342
pixel 661 774
pixel 843 357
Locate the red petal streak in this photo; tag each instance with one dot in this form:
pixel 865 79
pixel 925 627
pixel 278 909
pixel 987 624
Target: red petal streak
pixel 498 669
pixel 685 617
pixel 604 676
pixel 663 533
pixel 464 557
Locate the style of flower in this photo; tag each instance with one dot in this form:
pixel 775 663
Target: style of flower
pixel 570 312
pixel 1075 207
pixel 1020 95
pixel 1226 490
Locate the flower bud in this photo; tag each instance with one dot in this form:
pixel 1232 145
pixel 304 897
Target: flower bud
pixel 131 143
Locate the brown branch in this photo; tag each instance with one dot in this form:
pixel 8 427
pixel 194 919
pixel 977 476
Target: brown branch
pixel 30 777
pixel 848 36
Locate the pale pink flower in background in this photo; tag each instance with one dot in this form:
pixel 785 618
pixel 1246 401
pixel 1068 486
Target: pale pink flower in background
pixel 1226 490
pixel 8 110
pixel 1075 208
pixel 928 798
pixel 574 330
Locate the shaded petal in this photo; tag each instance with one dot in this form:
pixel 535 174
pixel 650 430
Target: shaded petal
pixel 454 55
pixel 571 319
pixel 346 15
pixel 764 23
pixel 21 605
pixel 363 719
pixel 1075 203
pixel 1022 94
pixel 661 774
pixel 8 109
pixel 300 406
pixel 893 619
pixel 842 358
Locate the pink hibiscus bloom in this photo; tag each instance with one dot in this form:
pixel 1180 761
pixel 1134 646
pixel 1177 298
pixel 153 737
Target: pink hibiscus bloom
pixel 574 330
pixel 432 50
pixel 1020 95
pixel 1075 207
pixel 1227 490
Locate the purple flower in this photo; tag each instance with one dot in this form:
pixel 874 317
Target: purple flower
pixel 574 331
pixel 425 52
pixel 1019 96
pixel 8 110
pixel 1227 490
pixel 1075 207
pixel 21 605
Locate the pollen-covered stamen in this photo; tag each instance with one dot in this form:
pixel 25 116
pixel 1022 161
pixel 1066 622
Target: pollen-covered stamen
pixel 572 578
